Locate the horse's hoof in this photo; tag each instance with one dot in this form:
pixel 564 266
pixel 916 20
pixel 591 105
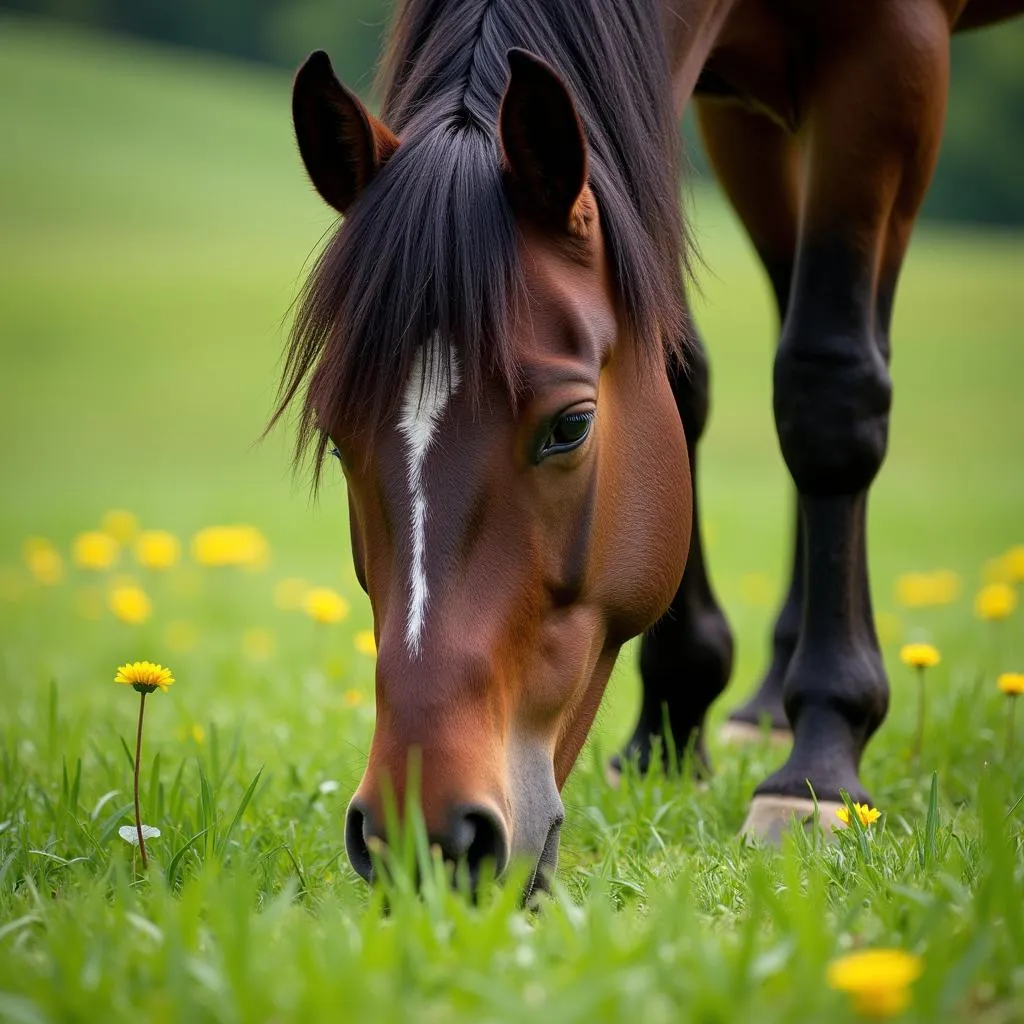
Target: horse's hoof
pixel 770 816
pixel 748 734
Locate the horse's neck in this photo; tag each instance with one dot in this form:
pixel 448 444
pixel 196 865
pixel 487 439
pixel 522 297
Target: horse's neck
pixel 691 28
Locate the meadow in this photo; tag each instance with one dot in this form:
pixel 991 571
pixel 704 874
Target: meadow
pixel 154 227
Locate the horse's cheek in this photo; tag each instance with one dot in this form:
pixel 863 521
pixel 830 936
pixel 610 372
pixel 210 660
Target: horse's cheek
pixel 647 536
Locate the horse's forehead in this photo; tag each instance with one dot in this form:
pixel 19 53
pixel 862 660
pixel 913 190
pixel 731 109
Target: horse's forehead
pixel 569 295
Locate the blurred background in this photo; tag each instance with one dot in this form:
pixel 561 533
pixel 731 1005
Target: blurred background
pixel 978 179
pixel 156 224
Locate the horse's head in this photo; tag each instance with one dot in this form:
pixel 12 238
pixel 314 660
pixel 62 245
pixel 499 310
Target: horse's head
pixel 519 504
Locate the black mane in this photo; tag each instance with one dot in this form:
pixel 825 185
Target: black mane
pixel 431 246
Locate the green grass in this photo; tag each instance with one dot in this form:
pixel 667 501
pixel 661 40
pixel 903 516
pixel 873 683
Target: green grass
pixel 154 222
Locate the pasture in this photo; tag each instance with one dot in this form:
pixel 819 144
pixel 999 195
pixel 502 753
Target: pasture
pixel 154 225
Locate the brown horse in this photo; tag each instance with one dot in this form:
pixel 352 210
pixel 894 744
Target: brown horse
pixel 496 344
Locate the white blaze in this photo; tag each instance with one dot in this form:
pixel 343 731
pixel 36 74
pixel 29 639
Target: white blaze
pixel 432 382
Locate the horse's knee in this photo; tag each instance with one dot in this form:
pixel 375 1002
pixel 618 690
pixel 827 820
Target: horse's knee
pixel 832 399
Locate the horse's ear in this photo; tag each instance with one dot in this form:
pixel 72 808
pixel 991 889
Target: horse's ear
pixel 342 144
pixel 543 142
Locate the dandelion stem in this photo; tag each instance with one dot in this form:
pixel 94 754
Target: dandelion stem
pixel 919 736
pixel 138 761
pixel 1010 727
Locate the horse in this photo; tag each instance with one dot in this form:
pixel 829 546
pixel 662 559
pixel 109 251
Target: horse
pixel 496 345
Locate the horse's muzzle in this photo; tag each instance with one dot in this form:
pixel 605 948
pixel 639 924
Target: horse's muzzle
pixel 475 835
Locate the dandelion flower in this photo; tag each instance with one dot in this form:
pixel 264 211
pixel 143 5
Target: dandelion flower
pixel 877 980
pixel 43 561
pixel 290 593
pixel 145 676
pixel 94 550
pixel 121 525
pixel 920 655
pixel 353 698
pixel 866 814
pixel 995 601
pixel 926 589
pixel 231 545
pixel 157 549
pixel 1011 683
pixel 365 643
pixel 1013 560
pixel 325 605
pixel 130 603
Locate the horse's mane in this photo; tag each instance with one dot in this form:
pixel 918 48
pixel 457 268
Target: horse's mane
pixel 431 246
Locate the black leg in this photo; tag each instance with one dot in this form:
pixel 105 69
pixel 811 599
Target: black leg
pixel 873 134
pixel 686 658
pixel 832 399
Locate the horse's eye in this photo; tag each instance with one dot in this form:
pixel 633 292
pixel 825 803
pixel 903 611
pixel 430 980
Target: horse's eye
pixel 568 432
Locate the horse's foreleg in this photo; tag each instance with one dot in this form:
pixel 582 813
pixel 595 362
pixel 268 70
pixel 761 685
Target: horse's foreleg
pixel 873 135
pixel 686 658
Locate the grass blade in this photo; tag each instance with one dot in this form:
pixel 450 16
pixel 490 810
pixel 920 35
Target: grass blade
pixel 243 803
pixel 172 868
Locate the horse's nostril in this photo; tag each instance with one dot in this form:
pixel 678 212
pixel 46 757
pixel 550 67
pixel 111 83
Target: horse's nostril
pixel 356 827
pixel 479 837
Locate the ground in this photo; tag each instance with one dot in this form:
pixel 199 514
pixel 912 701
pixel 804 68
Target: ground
pixel 154 228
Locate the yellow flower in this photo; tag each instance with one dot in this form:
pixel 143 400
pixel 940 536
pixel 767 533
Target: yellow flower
pixel 231 545
pixel 877 980
pixel 924 589
pixel 258 644
pixel 1013 560
pixel 867 815
pixel 95 550
pixel 353 698
pixel 157 549
pixel 144 676
pixel 181 636
pixel 1011 683
pixel 365 643
pixel 43 560
pixel 325 605
pixel 121 525
pixel 289 594
pixel 130 603
pixel 920 655
pixel 995 601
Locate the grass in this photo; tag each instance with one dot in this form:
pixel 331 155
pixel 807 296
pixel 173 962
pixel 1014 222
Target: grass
pixel 154 222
